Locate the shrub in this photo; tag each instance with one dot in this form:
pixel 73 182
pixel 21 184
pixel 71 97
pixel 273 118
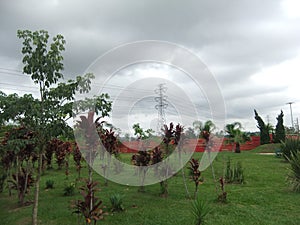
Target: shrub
pixel 294 176
pixel 290 146
pixel 49 184
pixel 116 201
pixel 235 174
pixel 90 207
pixel 195 174
pixel 199 211
pixel 69 190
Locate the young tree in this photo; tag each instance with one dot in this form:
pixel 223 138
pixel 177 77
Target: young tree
pixel 279 130
pixel 47 115
pixel 264 131
pixel 143 158
pixel 236 135
pixel 179 140
pixel 204 130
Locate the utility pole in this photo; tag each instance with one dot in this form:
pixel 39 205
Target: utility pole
pixel 290 103
pixel 161 106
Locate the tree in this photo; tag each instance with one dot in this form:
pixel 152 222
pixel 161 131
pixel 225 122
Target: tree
pixel 204 130
pixel 264 131
pixel 47 115
pixel 236 135
pixel 279 130
pixel 143 158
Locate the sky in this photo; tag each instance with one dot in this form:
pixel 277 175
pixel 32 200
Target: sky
pixel 250 48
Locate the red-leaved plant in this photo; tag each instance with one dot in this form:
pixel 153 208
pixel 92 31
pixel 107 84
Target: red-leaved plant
pixel 90 207
pixel 195 174
pixel 223 196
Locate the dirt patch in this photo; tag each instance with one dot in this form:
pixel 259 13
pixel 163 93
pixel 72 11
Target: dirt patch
pixel 266 153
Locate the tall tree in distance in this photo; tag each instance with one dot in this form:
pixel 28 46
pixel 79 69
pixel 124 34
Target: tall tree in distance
pixel 264 130
pixel 279 130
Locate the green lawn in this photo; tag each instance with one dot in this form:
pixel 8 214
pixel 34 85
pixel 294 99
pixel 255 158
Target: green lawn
pixel 264 199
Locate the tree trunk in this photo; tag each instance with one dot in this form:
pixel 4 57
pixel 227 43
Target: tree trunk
pixel 183 176
pixel 237 148
pixel 37 190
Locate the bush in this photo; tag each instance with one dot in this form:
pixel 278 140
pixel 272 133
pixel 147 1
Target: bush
pixel 235 174
pixel 49 184
pixel 69 190
pixel 90 207
pixel 294 176
pixel 199 211
pixel 116 201
pixel 291 145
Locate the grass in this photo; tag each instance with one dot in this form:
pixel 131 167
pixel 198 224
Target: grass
pixel 264 198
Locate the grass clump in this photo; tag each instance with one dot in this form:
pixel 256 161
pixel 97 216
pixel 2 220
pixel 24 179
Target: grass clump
pixel 200 209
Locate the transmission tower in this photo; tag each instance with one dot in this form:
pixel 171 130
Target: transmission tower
pixel 161 105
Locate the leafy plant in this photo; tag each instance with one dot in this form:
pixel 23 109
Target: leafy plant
pixel 77 157
pixel 69 190
pixel 234 174
pixel 21 182
pixel 89 207
pixel 195 174
pixel 289 147
pixel 294 176
pixel 49 184
pixel 236 135
pixel 199 210
pixel 223 196
pixel 116 201
pixel 143 157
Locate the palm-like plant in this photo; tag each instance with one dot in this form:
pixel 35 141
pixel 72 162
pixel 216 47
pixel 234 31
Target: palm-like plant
pixel 236 135
pixel 204 129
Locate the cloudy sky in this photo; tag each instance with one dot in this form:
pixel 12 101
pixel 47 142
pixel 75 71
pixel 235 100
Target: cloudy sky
pixel 252 48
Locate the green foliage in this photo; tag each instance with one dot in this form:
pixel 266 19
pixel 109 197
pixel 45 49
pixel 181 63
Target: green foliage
pixel 289 147
pixel 265 184
pixel 69 189
pixel 235 173
pixel 236 135
pixel 77 157
pixel 264 130
pixel 116 201
pixel 279 130
pixel 49 184
pixel 205 129
pixel 294 176
pixel 199 211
